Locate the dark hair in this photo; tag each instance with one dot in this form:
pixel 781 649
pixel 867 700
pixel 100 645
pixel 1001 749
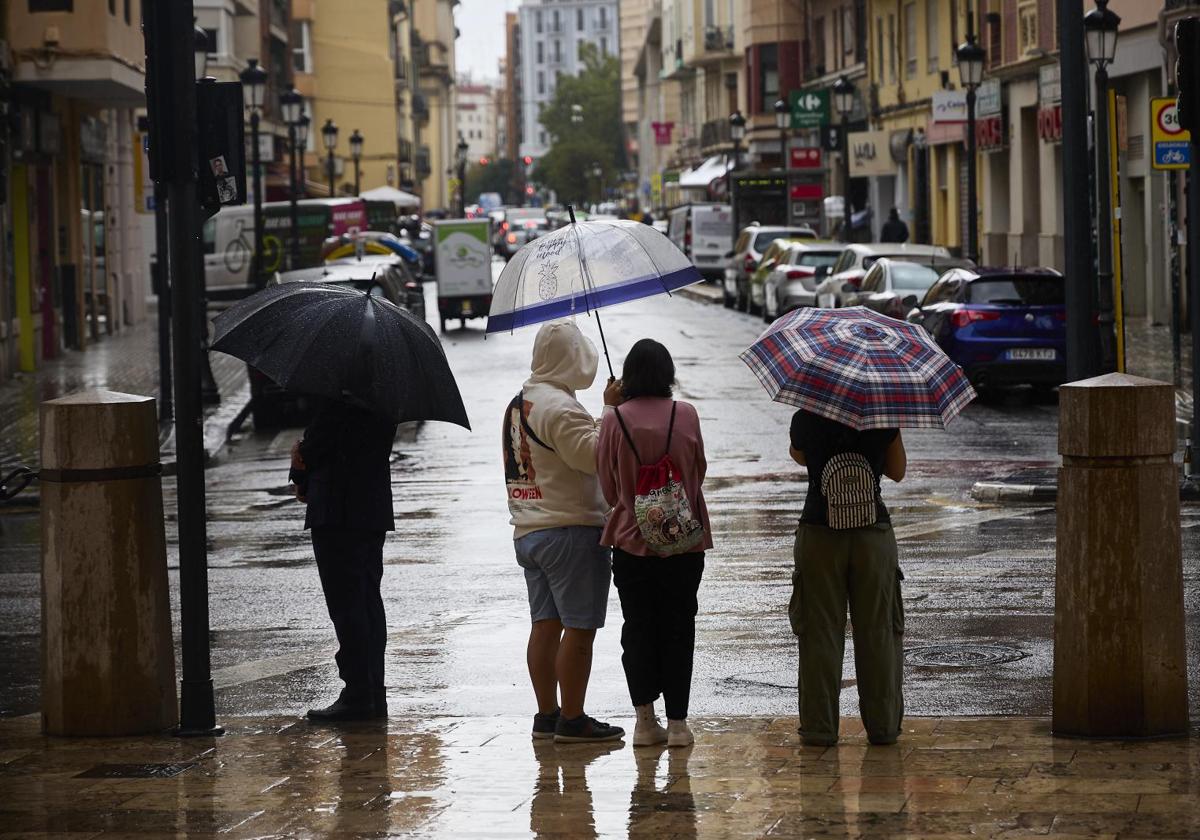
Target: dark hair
pixel 649 371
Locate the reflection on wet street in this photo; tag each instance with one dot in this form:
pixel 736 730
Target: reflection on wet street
pixel 483 777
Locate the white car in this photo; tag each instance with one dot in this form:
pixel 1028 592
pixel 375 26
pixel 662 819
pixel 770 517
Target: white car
pixel 792 283
pixel 848 272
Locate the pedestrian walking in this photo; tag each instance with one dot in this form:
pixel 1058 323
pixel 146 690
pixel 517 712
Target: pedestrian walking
pixel 652 466
pixel 894 229
pixel 845 553
pixel 342 469
pixel 549 442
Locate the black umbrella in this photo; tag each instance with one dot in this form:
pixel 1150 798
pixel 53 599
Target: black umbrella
pixel 346 344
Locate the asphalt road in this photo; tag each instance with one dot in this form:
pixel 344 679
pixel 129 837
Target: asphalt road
pixel 979 587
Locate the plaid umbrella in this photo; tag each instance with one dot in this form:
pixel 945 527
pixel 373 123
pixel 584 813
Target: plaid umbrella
pixel 860 368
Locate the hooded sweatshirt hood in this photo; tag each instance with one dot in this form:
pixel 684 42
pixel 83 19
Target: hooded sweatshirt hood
pixel 563 356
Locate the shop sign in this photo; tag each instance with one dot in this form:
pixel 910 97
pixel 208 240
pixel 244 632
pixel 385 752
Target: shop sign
pixel 949 106
pixel 1050 123
pixel 807 192
pixel 988 99
pixel 1172 142
pixel 810 108
pixel 662 132
pixel 808 157
pixel 1049 86
pixel 831 138
pixel 938 134
pixel 870 154
pixel 989 134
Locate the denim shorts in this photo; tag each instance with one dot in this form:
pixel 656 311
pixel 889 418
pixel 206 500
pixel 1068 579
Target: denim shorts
pixel 567 573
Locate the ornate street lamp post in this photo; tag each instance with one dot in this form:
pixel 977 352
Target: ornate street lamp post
pixel 356 150
pixel 291 104
pixel 843 103
pixel 782 117
pixel 254 83
pixel 971 57
pixel 1100 27
pixel 462 150
pixel 737 132
pixel 329 135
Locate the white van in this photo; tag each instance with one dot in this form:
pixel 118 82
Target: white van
pixel 704 232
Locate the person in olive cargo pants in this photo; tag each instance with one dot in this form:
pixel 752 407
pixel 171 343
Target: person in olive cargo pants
pixel 845 554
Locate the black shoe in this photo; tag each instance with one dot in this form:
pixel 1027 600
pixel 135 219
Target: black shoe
pixel 585 729
pixel 379 701
pixel 544 724
pixel 346 707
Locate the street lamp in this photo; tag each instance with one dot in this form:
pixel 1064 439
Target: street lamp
pixel 782 117
pixel 356 149
pixel 200 52
pixel 291 105
pixel 254 84
pixel 1100 27
pixel 843 102
pixel 329 134
pixel 462 149
pixel 921 160
pixel 737 131
pixel 971 57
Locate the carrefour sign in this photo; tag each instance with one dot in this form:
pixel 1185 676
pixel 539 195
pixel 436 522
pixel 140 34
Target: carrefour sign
pixel 810 108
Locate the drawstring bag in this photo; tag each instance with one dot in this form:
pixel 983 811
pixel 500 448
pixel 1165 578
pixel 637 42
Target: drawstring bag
pixel 660 504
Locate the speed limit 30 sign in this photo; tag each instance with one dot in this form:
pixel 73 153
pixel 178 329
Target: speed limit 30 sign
pixel 1172 144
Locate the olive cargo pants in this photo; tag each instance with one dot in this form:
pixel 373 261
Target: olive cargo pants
pixel 858 567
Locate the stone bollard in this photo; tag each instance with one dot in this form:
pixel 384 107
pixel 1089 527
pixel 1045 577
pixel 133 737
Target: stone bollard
pixel 1119 658
pixel 108 663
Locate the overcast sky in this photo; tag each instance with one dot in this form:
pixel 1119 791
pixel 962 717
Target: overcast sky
pixel 481 43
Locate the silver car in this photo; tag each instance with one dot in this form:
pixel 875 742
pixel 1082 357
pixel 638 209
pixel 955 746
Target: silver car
pixel 792 283
pixel 847 274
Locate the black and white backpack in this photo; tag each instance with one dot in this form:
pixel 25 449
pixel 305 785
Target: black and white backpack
pixel 848 485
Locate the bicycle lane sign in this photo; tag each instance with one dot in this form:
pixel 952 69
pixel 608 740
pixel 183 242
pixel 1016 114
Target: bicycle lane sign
pixel 1172 144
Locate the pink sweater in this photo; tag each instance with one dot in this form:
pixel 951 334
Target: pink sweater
pixel 647 419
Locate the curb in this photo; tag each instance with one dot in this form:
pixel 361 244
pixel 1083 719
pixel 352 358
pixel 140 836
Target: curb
pixel 985 491
pixel 701 293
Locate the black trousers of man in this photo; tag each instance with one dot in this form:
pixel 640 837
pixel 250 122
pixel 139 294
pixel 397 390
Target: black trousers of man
pixel 350 563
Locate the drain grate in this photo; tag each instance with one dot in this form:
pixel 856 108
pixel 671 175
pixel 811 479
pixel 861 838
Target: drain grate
pixel 962 655
pixel 134 771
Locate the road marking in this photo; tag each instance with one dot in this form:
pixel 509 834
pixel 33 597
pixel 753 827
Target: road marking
pixel 271 666
pixel 964 520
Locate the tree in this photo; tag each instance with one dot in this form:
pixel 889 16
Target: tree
pixel 576 147
pixel 495 176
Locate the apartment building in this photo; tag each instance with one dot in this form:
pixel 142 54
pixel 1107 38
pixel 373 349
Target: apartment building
pixel 658 120
pixel 476 119
pixel 434 35
pixel 404 70
pixel 551 33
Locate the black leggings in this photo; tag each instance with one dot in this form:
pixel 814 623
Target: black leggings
pixel 658 601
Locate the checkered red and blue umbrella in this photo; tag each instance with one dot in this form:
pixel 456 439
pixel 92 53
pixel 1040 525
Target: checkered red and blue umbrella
pixel 860 368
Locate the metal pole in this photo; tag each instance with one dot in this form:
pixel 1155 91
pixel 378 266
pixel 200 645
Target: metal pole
pixel 162 248
pixel 733 205
pixel 357 179
pixel 845 178
pixel 1193 290
pixel 293 208
pixel 972 185
pixel 331 174
pixel 462 188
pixel 256 164
pixel 1176 291
pixel 1082 346
pixel 1103 221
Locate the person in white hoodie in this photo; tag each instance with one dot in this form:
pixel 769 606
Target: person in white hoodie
pixel 549 441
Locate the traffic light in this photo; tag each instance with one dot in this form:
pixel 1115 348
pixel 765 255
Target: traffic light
pixel 1187 74
pixel 527 160
pixel 483 161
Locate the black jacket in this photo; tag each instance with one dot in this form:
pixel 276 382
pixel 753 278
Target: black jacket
pixel 347 478
pixel 894 230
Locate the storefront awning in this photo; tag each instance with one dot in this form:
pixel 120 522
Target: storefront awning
pixel 704 174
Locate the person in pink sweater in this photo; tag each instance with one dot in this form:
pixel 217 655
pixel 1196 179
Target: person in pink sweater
pixel 650 462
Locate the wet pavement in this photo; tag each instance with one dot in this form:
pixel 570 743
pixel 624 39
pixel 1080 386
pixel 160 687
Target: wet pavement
pixel 484 777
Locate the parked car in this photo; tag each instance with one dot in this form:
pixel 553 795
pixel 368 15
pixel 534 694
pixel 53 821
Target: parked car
pixel 852 266
pixel 1004 326
pixel 748 252
pixel 521 225
pixel 703 232
pixel 792 282
pixel 384 276
pixel 894 287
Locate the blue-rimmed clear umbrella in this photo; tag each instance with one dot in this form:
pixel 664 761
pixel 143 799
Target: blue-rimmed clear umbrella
pixel 583 267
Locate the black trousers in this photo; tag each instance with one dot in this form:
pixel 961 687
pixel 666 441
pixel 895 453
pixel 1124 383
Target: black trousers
pixel 351 567
pixel 658 601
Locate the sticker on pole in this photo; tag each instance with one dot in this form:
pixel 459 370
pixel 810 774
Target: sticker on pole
pixel 1172 143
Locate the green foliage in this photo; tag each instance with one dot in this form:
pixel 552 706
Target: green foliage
pixel 576 147
pixel 497 176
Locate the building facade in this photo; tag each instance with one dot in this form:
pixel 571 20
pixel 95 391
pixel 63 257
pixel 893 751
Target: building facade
pixel 434 35
pixel 476 120
pixel 551 33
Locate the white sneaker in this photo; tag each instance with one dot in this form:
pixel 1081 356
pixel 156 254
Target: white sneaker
pixel 678 734
pixel 647 731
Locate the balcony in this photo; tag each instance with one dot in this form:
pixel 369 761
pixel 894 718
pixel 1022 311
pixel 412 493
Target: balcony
pixel 424 170
pixel 718 39
pixel 406 151
pixel 420 106
pixel 715 133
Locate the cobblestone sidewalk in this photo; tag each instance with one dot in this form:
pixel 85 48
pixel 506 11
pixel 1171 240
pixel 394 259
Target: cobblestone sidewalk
pixel 126 362
pixel 483 777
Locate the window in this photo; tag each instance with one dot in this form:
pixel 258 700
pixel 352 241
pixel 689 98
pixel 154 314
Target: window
pixel 1027 26
pixel 579 19
pixel 768 76
pixel 603 46
pixel 541 82
pixel 891 34
pixel 540 51
pixel 710 13
pixel 603 17
pixel 542 138
pixel 879 50
pixel 848 35
pixel 910 40
pixel 954 32
pixel 995 45
pixel 819 41
pixel 210 41
pixel 931 36
pixel 558 52
pixel 51 6
pixel 302 46
pixel 537 22
pixel 556 25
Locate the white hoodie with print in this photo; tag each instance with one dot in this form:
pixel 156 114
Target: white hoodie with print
pixel 561 475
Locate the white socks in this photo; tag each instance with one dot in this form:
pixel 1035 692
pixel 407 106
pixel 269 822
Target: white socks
pixel 678 734
pixel 647 730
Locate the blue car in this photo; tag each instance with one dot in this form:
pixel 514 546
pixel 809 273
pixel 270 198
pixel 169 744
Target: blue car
pixel 1003 326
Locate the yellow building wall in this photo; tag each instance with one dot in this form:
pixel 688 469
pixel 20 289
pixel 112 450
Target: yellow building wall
pixel 88 30
pixel 353 85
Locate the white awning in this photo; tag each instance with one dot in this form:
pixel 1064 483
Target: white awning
pixel 398 197
pixel 704 174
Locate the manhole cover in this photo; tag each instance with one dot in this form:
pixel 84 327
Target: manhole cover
pixel 134 771
pixel 962 656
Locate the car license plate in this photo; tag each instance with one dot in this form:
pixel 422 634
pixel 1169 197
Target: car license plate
pixel 466 310
pixel 1033 354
